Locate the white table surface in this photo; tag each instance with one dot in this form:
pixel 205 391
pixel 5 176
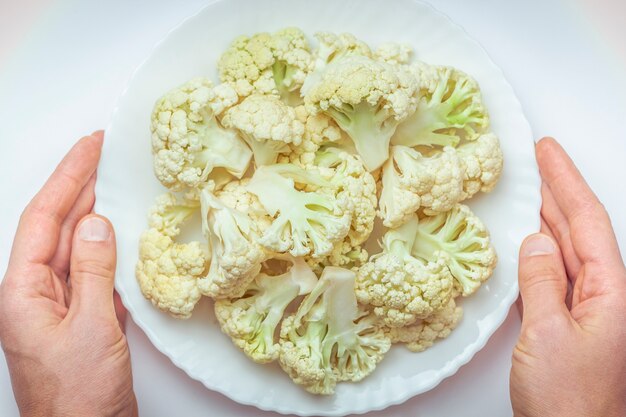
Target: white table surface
pixel 63 63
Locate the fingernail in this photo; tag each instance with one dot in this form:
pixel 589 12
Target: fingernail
pixel 537 245
pixel 94 229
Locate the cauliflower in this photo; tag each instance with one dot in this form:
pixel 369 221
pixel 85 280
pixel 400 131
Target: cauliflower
pixel 303 221
pixel 411 180
pixel 330 338
pixel 246 65
pixel 293 59
pixel 235 254
pixel 402 288
pixel 188 143
pixel 168 272
pixel 268 126
pixel 340 134
pixel 394 53
pixel 344 254
pixel 367 99
pixel 169 212
pixel 235 195
pixel 464 239
pixel 319 129
pixel 422 334
pixel 481 164
pixel 252 320
pixel 450 107
pixel 330 48
pixel 267 64
pixel 347 174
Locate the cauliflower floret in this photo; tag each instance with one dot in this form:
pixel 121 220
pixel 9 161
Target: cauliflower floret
pixel 399 199
pixel 347 174
pixel 267 64
pixel 245 64
pixel 344 255
pixel 450 107
pixel 303 221
pixel 330 339
pixel 319 129
pixel 236 256
pixel 402 288
pixel 169 212
pixel 188 143
pixel 464 239
pixel 330 48
pixel 482 164
pixel 422 334
pixel 252 320
pixel 235 195
pixel 168 272
pixel 367 99
pixel 268 126
pixel 293 60
pixel 411 180
pixel 394 53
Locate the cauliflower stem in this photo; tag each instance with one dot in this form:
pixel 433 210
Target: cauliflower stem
pixel 251 320
pixel 369 129
pixel 330 339
pixel 465 240
pixel 305 222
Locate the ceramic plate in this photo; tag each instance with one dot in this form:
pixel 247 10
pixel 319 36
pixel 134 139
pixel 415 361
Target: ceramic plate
pixel 127 187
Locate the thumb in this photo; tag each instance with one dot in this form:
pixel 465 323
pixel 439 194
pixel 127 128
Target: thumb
pixel 92 267
pixel 542 278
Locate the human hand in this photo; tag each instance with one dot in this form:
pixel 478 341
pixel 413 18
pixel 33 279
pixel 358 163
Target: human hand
pixel 65 348
pixel 570 359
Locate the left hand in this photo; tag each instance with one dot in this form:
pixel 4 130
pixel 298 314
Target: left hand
pixel 63 341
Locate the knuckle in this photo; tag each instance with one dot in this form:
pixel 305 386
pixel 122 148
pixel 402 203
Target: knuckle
pixel 538 331
pixel 97 268
pixel 37 210
pixel 540 277
pixel 593 209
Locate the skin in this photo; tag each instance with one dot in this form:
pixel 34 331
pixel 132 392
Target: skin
pixel 61 325
pixel 570 359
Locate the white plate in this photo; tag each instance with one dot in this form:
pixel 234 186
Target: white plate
pixel 126 187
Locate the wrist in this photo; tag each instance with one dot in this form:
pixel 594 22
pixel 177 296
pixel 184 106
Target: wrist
pixel 58 408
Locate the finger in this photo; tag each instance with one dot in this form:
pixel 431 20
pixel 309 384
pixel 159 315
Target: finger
pixel 120 311
pixel 82 207
pixel 545 229
pixel 559 225
pixel 92 267
pixel 590 228
pixel 40 225
pixel 542 280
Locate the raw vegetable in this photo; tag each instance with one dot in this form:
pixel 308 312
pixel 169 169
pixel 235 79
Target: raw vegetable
pixel 299 267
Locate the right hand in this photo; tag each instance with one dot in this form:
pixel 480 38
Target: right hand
pixel 570 359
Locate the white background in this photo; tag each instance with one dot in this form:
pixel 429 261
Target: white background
pixel 63 64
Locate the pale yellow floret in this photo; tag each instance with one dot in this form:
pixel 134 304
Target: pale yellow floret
pixel 168 272
pixel 422 334
pixel 482 163
pixel 267 125
pixel 394 53
pixel 236 256
pixel 188 143
pixel 402 288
